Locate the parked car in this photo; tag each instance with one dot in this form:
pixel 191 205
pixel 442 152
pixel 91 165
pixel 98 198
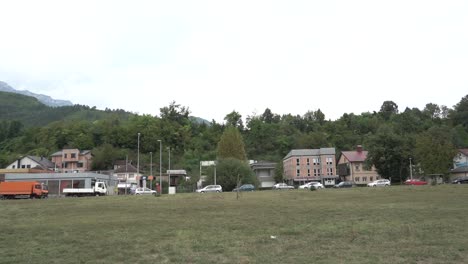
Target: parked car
pixel 382 182
pixel 210 188
pixel 315 185
pixel 282 186
pixel 344 185
pixel 141 191
pixel 415 182
pixel 245 188
pixel 461 180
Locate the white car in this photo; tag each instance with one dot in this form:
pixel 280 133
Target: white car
pixel 140 191
pixel 210 188
pixel 383 182
pixel 282 186
pixel 316 185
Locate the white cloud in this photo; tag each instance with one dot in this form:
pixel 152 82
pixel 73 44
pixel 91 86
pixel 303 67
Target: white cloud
pixel 217 56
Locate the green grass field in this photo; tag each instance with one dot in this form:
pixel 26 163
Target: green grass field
pixel 399 224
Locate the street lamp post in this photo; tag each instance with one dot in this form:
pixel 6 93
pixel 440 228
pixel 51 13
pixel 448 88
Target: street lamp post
pixel 138 159
pixel 151 170
pixel 411 170
pixel 160 166
pixel 169 170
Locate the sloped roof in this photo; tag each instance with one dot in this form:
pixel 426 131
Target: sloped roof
pixel 43 162
pixel 310 152
pixel 464 151
pixel 128 168
pixel 355 156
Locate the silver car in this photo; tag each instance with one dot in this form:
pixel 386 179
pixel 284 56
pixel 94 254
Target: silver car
pixel 282 186
pixel 210 188
pixel 140 191
pixel 383 182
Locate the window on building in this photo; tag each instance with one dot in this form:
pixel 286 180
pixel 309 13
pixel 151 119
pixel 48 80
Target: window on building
pixel 316 161
pixel 357 167
pixel 298 162
pixel 73 155
pixel 308 161
pixel 329 171
pixel 371 178
pixel 23 166
pixel 329 161
pixel 356 179
pixel 131 176
pixel 80 165
pixel 316 172
pixel 298 172
pixel 364 179
pixel 28 166
pixel 13 166
pixel 308 172
pixel 65 155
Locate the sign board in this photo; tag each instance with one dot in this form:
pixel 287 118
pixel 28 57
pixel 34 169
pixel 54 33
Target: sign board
pixel 150 177
pixel 208 163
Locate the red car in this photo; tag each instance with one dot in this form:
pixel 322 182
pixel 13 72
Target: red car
pixel 415 182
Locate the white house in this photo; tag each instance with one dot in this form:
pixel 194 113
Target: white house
pixel 31 162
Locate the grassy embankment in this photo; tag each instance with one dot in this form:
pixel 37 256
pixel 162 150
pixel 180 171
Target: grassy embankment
pixel 400 224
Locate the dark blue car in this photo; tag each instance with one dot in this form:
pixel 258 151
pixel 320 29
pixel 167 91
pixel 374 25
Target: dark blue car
pixel 245 188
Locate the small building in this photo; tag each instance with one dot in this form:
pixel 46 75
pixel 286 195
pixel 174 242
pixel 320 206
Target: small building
pixel 31 162
pixel 265 173
pixel 58 181
pixel 351 167
pixel 460 164
pixel 72 160
pixel 175 176
pixel 306 165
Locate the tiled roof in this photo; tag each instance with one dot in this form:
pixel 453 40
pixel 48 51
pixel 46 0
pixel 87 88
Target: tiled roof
pixel 128 168
pixel 45 163
pixel 355 156
pixel 464 151
pixel 310 152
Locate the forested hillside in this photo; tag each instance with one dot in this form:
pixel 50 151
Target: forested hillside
pixel 391 135
pixel 31 113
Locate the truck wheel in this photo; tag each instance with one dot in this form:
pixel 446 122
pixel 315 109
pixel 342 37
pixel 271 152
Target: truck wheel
pixel 97 194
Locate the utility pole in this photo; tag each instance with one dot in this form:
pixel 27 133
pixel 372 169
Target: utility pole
pixel 411 169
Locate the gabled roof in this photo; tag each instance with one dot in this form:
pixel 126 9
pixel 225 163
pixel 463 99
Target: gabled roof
pixel 43 162
pixel 310 152
pixel 128 168
pixel 464 151
pixel 355 156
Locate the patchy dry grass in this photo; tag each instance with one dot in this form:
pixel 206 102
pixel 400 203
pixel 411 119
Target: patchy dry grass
pixel 400 224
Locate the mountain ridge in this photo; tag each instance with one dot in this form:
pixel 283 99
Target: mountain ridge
pixel 45 99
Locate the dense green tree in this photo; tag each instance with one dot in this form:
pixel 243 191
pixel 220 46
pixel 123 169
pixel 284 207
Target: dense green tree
pixel 459 115
pixel 231 145
pixel 229 170
pixel 387 153
pixel 435 151
pixel 388 109
pixel 234 119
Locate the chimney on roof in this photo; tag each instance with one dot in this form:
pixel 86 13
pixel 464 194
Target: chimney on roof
pixel 359 148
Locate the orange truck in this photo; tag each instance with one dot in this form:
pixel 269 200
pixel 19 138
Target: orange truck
pixel 30 189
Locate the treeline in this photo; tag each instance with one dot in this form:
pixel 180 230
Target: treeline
pixel 429 136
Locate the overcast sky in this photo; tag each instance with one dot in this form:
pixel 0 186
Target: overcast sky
pixel 218 56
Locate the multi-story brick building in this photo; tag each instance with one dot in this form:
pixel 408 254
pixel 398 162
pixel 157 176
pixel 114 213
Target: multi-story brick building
pixel 305 165
pixel 72 160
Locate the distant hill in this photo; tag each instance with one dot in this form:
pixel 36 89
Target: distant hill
pixel 45 99
pixel 29 111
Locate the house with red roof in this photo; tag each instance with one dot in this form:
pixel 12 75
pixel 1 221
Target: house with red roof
pixel 351 167
pixel 460 164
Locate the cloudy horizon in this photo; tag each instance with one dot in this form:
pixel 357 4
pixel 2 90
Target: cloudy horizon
pixel 216 57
